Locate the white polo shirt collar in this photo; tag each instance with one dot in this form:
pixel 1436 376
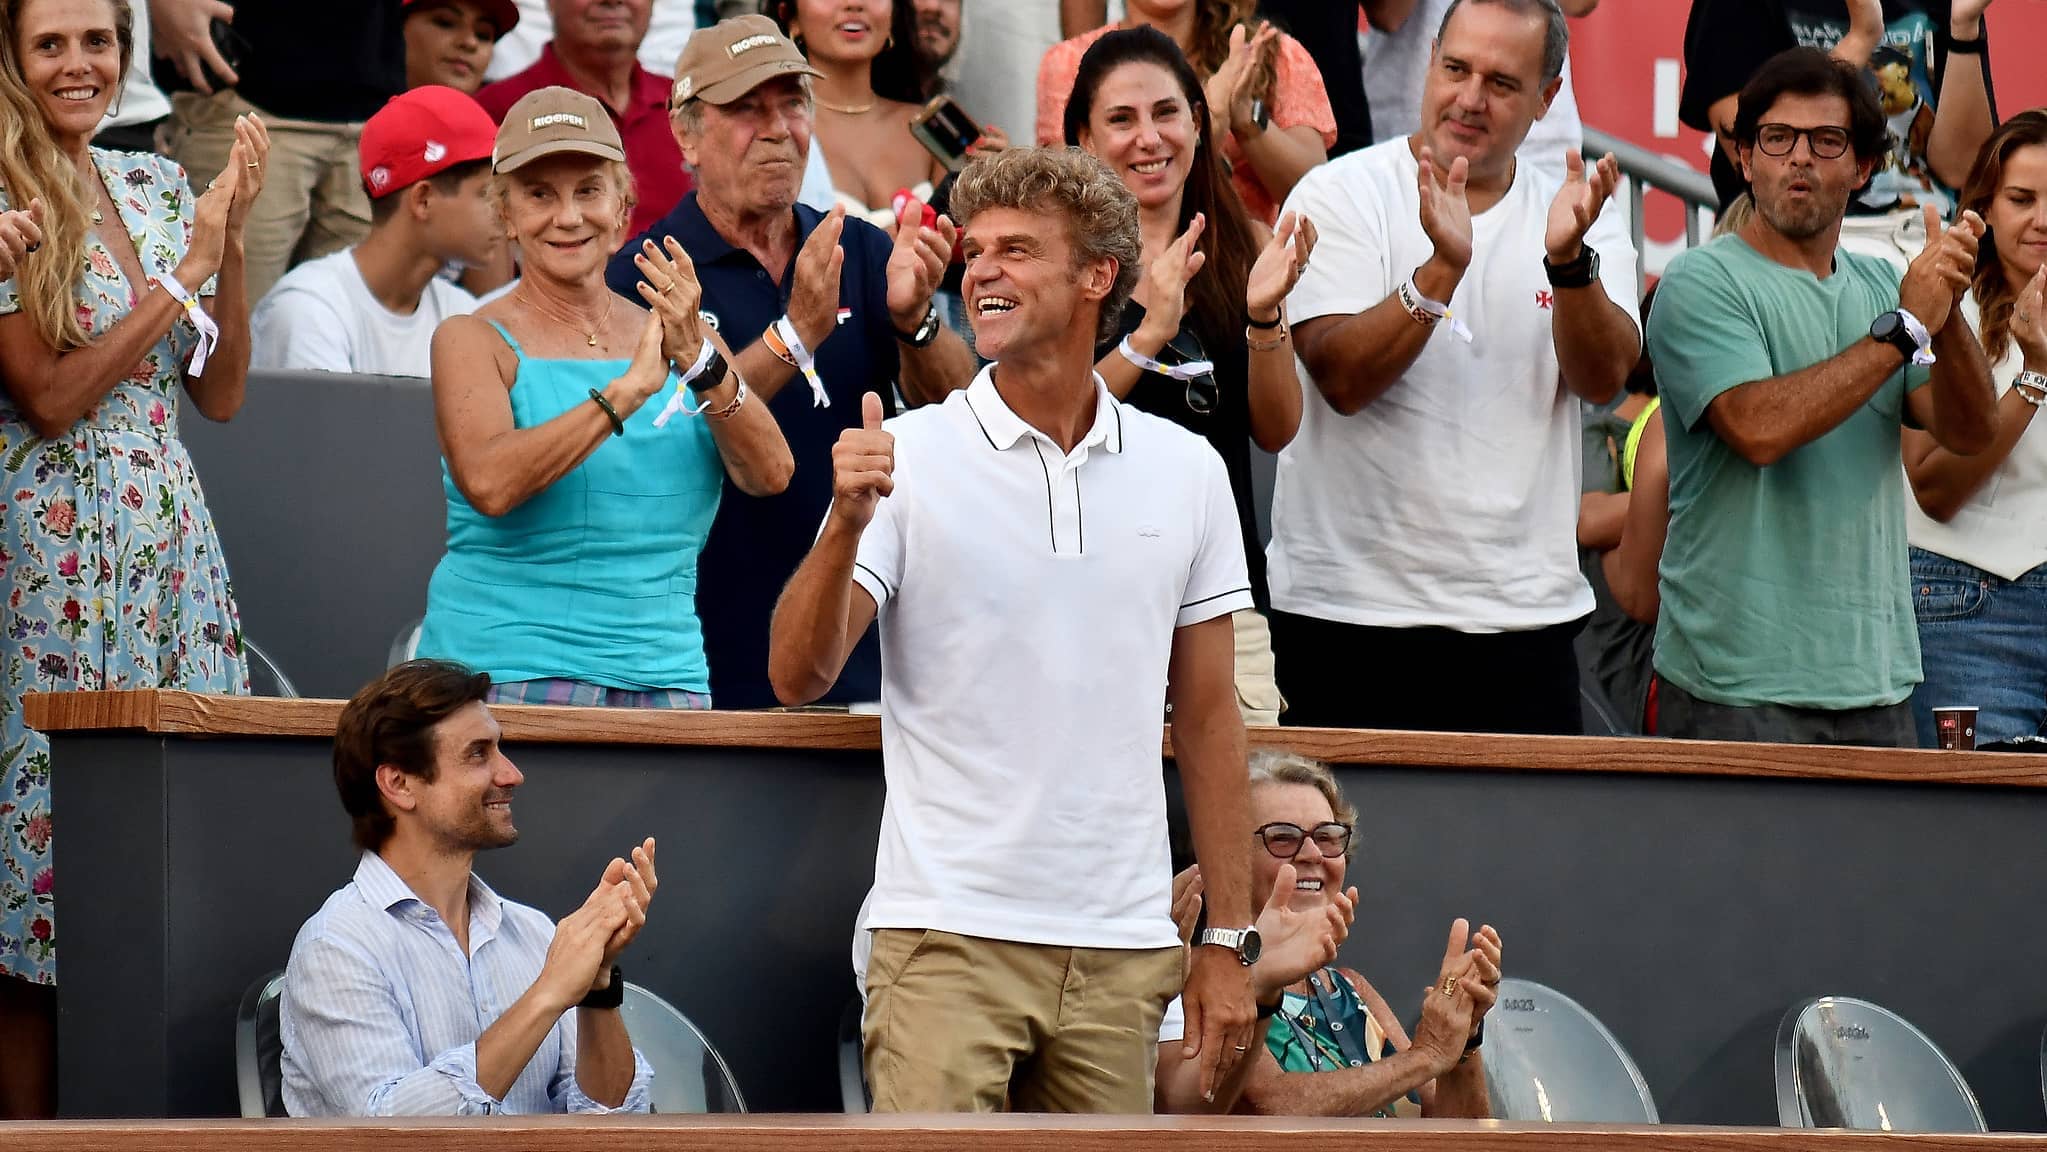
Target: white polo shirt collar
pixel 1004 428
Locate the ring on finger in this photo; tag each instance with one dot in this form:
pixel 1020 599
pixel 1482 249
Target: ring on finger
pixel 1449 986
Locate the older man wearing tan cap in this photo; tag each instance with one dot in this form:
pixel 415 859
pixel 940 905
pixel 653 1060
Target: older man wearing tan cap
pixel 821 309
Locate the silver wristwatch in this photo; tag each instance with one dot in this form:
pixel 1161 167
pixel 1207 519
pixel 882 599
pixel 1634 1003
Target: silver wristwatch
pixel 1243 941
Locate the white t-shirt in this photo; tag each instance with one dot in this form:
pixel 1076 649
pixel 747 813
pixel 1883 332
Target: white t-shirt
pixel 1397 63
pixel 140 101
pixel 1451 500
pixel 322 318
pixel 668 29
pixel 1028 601
pixel 2002 529
pixel 1001 42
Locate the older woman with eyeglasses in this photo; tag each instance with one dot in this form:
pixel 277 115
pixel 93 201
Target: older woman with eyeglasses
pixel 1204 340
pixel 1335 1046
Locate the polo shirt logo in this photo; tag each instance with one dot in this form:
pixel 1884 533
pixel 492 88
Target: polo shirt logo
pixel 1544 299
pixel 749 43
pixel 554 118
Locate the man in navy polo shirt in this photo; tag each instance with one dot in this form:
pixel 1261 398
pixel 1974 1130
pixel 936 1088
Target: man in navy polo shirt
pixel 821 308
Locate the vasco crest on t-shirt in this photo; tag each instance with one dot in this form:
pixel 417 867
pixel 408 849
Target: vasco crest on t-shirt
pixel 1903 69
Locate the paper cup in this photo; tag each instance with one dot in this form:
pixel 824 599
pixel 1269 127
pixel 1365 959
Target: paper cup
pixel 1955 728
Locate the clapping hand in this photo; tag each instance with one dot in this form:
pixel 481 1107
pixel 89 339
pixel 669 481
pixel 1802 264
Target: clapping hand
pixel 638 876
pixel 1279 266
pixel 669 286
pixel 814 297
pixel 1294 942
pixel 1445 211
pixel 1166 280
pixel 2029 321
pixel 579 957
pixel 1940 274
pixel 917 263
pixel 1578 204
pixel 1453 1006
pixel 1228 91
pixel 21 232
pixel 863 466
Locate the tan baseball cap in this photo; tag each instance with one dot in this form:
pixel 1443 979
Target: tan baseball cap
pixel 733 57
pixel 550 121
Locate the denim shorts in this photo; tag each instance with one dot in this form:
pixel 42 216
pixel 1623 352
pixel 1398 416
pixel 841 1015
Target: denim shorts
pixel 1983 641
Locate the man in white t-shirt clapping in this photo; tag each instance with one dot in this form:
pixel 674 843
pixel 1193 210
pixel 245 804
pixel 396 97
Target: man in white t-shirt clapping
pixel 1048 567
pixel 373 308
pixel 1423 563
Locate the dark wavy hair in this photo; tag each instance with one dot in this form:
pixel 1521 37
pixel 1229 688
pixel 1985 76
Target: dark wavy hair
pixel 896 74
pixel 1995 294
pixel 1811 72
pixel 391 721
pixel 1216 294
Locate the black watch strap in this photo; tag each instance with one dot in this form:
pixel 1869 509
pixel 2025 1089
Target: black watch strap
pixel 610 996
pixel 1579 272
pixel 1268 1011
pixel 1477 1038
pixel 927 329
pixel 712 375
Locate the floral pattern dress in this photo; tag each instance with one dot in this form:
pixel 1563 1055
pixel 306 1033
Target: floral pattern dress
pixel 111 574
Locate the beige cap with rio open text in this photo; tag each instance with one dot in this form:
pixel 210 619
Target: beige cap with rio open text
pixel 551 121
pixel 733 57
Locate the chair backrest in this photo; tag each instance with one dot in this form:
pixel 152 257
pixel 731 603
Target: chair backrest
pixel 853 1094
pixel 265 677
pixel 2043 1067
pixel 1547 1059
pixel 406 644
pixel 689 1075
pixel 259 1049
pixel 1846 1063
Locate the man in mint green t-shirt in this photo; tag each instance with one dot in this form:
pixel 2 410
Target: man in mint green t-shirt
pixel 1788 367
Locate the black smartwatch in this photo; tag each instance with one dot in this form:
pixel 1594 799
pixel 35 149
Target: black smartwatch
pixel 610 996
pixel 712 375
pixel 1580 272
pixel 1889 328
pixel 927 329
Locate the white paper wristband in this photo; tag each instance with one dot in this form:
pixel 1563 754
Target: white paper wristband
pixel 1191 370
pixel 209 332
pixel 805 362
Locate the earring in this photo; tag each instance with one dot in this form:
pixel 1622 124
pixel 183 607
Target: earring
pixel 889 43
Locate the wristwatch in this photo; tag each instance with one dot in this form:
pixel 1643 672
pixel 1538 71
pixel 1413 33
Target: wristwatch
pixel 1243 941
pixel 712 375
pixel 610 996
pixel 1890 328
pixel 926 332
pixel 1580 272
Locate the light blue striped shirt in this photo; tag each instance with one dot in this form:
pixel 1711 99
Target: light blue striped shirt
pixel 381 1010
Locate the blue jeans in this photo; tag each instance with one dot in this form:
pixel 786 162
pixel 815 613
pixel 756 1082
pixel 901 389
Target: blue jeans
pixel 1983 641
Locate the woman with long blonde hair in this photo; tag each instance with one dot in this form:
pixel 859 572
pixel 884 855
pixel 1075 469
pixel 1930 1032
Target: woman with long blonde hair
pixel 111 574
pixel 1266 100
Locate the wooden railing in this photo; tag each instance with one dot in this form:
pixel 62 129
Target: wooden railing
pixel 188 714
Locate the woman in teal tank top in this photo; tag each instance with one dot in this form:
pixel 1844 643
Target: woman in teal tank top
pixel 584 441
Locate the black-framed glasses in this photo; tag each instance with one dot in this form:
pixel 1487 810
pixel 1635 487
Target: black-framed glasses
pixel 1284 840
pixel 1202 391
pixel 1827 142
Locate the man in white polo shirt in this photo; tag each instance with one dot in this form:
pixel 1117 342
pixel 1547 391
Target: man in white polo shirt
pixel 1049 567
pixel 1423 560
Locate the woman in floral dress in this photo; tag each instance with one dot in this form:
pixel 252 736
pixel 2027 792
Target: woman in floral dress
pixel 111 574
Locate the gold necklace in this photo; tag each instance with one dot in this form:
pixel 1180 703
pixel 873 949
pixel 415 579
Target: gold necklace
pixel 845 109
pixel 570 320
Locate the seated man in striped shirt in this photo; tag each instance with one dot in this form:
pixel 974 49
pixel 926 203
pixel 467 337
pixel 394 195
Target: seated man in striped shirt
pixel 416 990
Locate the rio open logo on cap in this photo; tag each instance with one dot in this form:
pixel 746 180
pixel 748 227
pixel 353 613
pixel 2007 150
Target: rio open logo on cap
pixel 436 151
pixel 554 118
pixel 380 177
pixel 749 43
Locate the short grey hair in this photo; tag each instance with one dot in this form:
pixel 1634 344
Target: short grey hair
pixel 1556 39
pixel 1101 213
pixel 689 115
pixel 1283 766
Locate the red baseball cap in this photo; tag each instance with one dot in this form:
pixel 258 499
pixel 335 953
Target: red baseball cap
pixel 422 133
pixel 503 13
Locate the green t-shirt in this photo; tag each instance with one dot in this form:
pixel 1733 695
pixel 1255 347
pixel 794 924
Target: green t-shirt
pixel 1785 584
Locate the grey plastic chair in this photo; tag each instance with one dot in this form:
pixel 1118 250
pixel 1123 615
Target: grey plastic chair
pixel 259 1049
pixel 689 1075
pixel 1846 1063
pixel 2043 1067
pixel 853 1094
pixel 265 677
pixel 1547 1059
pixel 405 644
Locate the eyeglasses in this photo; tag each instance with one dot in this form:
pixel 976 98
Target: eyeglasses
pixel 1202 391
pixel 1827 142
pixel 1285 840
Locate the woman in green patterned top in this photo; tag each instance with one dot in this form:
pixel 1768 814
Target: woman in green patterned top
pixel 1335 1046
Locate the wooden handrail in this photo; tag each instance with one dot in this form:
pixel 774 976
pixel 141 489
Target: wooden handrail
pixel 189 714
pixel 766 1133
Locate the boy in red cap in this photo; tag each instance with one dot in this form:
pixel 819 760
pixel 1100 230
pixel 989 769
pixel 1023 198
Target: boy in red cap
pixel 373 308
